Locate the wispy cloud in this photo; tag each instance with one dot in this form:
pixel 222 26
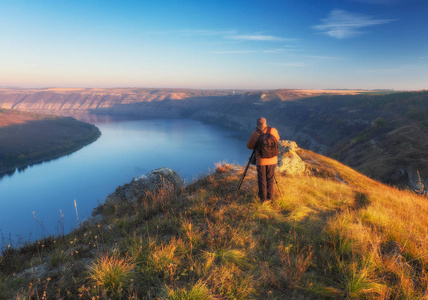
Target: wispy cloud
pixel 194 32
pixel 267 51
pixel 203 32
pixel 341 24
pixel 236 52
pixel 258 37
pixel 225 34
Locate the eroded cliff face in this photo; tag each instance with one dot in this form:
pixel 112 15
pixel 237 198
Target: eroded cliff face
pixel 374 134
pixel 74 101
pixel 228 108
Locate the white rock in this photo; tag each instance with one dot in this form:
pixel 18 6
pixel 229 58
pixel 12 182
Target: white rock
pixel 288 161
pixel 139 186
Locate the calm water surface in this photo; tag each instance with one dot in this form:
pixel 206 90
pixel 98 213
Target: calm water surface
pixel 31 200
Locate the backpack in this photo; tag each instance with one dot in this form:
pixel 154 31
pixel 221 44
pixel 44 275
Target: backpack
pixel 267 145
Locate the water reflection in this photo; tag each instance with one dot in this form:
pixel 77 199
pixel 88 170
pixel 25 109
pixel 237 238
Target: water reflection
pixel 103 118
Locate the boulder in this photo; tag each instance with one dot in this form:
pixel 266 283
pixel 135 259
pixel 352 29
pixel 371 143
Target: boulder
pixel 416 182
pixel 285 146
pixel 288 161
pixel 163 178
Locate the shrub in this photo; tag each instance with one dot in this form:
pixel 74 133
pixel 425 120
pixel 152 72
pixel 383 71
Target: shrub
pixel 199 291
pixel 112 272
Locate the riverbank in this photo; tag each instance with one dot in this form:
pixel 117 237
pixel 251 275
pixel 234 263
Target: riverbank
pixel 124 151
pixel 325 237
pixel 29 138
pixel 379 133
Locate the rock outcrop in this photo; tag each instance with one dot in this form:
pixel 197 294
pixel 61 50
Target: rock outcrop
pixel 415 181
pixel 163 178
pixel 377 135
pixel 289 162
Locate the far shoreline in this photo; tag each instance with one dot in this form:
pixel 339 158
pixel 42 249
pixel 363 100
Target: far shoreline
pixel 23 166
pixel 55 137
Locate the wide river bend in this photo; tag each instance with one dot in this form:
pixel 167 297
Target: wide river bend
pixel 53 197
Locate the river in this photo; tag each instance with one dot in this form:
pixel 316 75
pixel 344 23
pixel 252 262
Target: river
pixel 53 197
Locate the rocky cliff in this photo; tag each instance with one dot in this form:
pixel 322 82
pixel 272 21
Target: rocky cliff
pixel 113 101
pixel 381 135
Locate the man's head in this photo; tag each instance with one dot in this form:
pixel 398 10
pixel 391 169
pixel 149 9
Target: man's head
pixel 261 123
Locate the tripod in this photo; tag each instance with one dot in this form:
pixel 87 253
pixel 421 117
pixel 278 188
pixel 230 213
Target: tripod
pixel 245 173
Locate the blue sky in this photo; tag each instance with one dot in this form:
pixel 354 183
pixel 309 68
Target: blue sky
pixel 252 44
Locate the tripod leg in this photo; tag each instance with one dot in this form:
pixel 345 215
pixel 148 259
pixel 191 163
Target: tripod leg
pixel 277 185
pixel 245 172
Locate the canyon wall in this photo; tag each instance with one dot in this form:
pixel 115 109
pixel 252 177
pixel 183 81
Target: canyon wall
pixel 384 136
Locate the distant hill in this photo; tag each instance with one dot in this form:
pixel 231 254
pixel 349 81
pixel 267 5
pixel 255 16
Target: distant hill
pixel 332 234
pixel 380 133
pixel 28 138
pixel 125 100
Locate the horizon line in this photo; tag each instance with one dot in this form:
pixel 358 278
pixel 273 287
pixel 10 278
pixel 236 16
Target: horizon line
pixel 205 89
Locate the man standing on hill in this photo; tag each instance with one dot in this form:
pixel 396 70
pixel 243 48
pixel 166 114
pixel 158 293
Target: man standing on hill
pixel 265 142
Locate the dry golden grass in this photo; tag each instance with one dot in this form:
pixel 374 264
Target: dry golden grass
pixel 335 234
pixel 111 272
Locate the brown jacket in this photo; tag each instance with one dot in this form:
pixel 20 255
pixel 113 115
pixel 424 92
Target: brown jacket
pixel 252 143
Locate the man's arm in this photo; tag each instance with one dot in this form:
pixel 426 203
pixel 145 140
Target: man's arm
pixel 252 142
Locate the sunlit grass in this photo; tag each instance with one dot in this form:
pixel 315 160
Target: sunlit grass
pixel 112 272
pixel 199 291
pixel 335 234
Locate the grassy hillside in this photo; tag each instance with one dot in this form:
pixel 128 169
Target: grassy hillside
pixel 334 234
pixel 27 138
pixel 393 146
pixel 384 136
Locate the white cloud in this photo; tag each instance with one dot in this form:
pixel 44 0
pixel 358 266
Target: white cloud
pixel 194 32
pixel 236 52
pixel 257 37
pixel 268 51
pixel 341 24
pixel 203 32
pixel 226 34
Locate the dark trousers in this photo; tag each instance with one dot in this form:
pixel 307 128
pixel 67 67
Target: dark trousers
pixel 266 180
